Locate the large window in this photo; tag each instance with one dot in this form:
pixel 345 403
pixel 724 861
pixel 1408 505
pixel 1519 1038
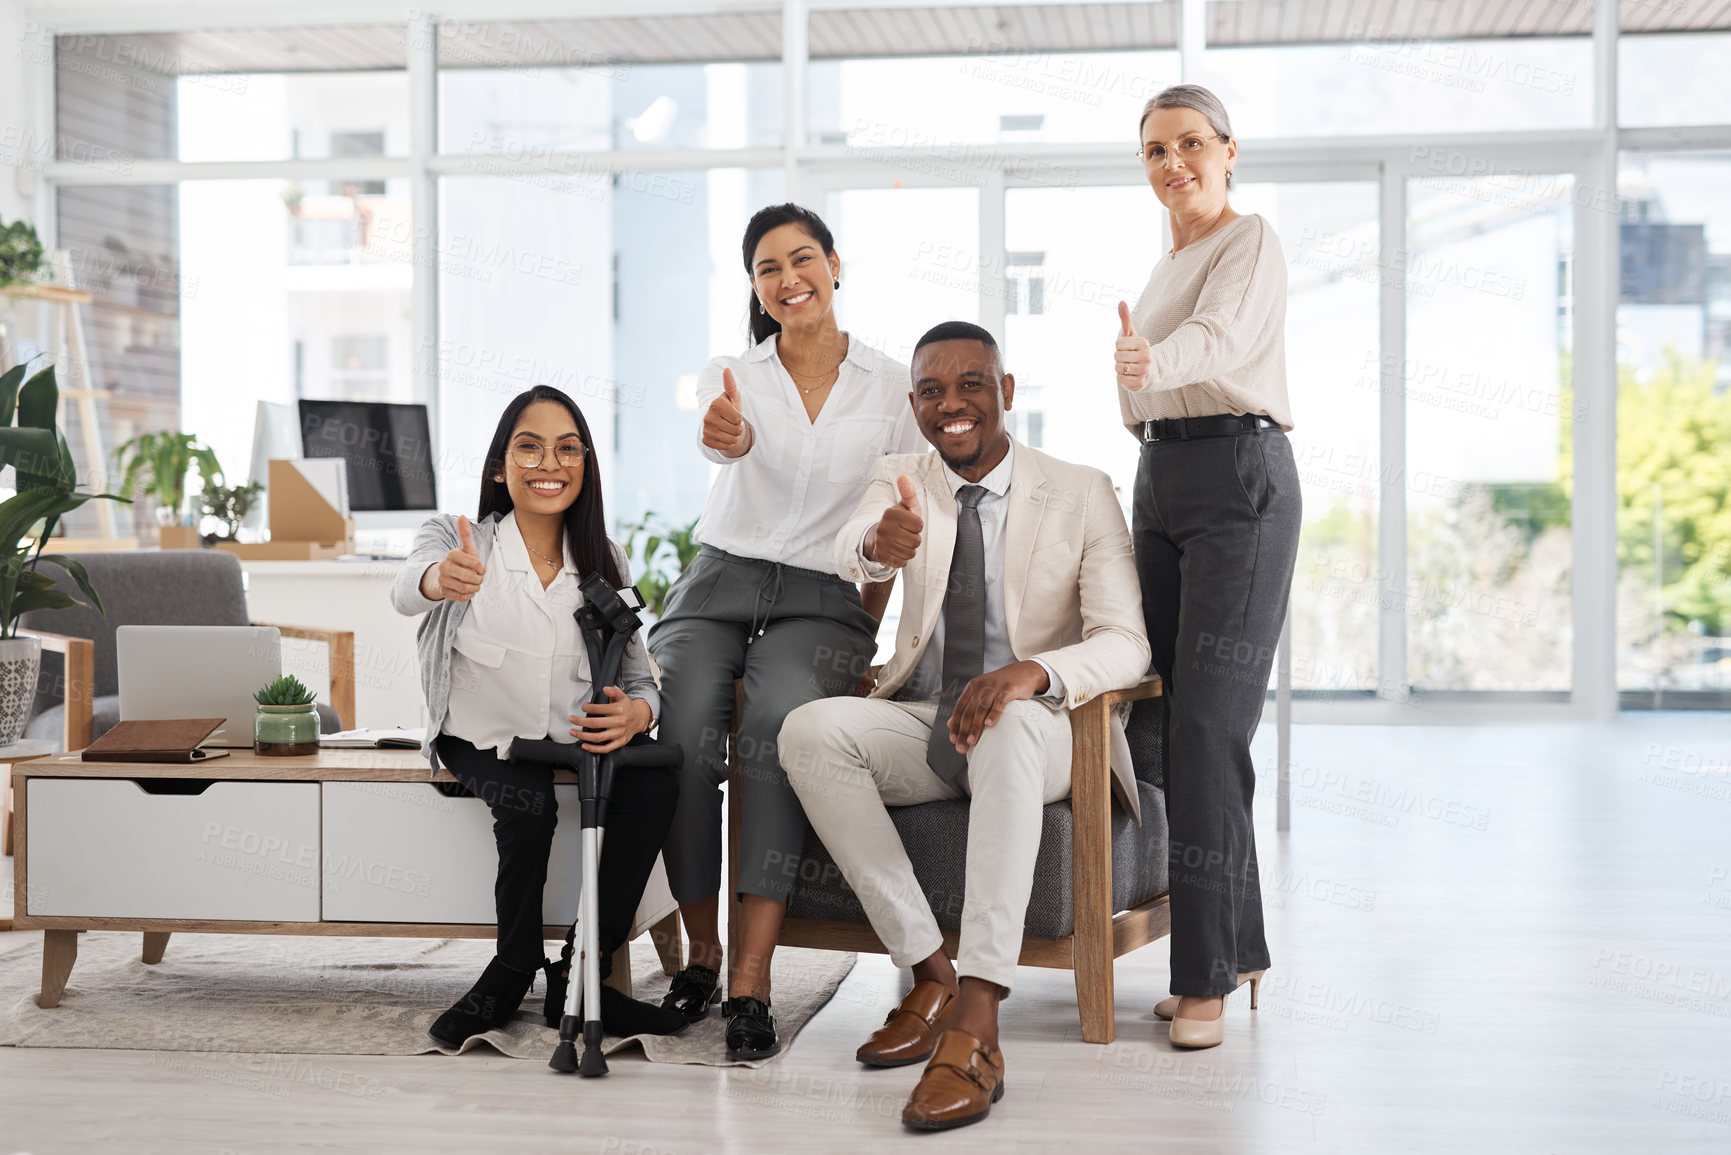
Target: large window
pixel 1489 414
pixel 270 215
pixel 1674 430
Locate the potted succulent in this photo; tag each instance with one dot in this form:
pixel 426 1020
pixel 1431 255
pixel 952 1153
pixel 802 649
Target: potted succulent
pixel 287 722
pixel 160 462
pixel 47 491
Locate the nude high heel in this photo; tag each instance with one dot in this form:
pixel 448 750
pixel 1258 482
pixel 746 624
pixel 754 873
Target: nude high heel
pixel 1206 1032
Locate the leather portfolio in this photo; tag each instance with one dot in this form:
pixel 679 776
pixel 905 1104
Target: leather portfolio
pixel 156 740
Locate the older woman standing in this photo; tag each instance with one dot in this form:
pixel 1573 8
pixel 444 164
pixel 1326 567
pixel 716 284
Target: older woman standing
pixel 1201 367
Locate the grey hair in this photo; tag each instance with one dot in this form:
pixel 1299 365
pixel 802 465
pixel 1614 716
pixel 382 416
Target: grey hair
pixel 1197 98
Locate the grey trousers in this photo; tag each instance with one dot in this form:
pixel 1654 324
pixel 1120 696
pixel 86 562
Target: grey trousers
pixel 1215 523
pixel 791 636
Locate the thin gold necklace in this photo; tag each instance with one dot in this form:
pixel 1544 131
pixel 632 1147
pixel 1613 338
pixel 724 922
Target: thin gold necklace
pixel 821 378
pixel 542 556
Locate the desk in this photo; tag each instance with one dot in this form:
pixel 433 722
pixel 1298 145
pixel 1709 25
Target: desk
pixel 345 595
pixel 347 842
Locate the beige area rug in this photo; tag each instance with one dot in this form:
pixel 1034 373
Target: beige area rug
pixel 336 996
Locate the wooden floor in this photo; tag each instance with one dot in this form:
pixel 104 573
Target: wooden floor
pixel 1485 939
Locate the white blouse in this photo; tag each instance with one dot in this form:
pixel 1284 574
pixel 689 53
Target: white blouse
pixel 790 494
pixel 518 664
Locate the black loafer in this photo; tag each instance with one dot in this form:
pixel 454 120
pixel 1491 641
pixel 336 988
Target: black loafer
pixel 750 1029
pixel 694 988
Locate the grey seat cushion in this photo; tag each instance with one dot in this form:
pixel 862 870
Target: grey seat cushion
pixel 1145 732
pixel 105 712
pixel 936 834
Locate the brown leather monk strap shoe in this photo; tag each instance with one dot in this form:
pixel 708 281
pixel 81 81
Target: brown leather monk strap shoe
pixel 962 1080
pixel 907 1034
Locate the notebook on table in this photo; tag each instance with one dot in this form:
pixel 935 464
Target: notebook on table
pixel 365 738
pixel 155 740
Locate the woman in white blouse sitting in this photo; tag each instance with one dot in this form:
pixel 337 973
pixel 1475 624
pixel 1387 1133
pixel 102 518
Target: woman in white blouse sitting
pixel 502 658
pixel 796 423
pixel 1201 368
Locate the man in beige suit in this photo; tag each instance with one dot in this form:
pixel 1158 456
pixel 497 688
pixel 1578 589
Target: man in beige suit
pixel 1019 603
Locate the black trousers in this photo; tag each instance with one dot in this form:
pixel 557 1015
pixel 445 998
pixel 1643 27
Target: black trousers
pixel 1216 524
pixel 525 813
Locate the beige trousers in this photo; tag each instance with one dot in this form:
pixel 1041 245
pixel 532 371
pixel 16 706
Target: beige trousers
pixel 850 759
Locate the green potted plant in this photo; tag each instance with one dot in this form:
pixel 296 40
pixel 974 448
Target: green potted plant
pixel 47 491
pixel 663 551
pixel 287 722
pixel 20 254
pixel 160 462
pixel 229 504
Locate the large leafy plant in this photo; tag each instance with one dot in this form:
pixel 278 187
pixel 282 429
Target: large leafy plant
pixel 161 461
pixel 48 490
pixel 663 551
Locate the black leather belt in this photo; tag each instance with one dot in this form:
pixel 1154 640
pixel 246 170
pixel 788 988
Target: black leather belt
pixel 1223 425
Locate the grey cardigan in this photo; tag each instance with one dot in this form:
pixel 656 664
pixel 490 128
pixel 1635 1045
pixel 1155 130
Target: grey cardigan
pixel 436 538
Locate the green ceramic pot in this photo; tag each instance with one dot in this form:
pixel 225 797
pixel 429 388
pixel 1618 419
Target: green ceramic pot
pixel 286 730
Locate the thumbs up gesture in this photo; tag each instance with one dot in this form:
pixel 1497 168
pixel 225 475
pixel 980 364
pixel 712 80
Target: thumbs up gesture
pixel 459 575
pixel 1132 356
pixel 725 429
pixel 895 539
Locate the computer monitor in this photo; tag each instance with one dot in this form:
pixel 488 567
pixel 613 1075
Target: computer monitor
pixel 389 451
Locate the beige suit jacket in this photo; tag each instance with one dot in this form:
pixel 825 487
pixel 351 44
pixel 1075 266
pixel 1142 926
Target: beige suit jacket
pixel 1071 595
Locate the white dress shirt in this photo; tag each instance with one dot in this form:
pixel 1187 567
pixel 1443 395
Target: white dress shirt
pixel 518 664
pixel 993 508
pixel 786 498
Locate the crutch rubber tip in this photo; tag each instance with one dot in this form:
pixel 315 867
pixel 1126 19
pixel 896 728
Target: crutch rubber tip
pixel 593 1063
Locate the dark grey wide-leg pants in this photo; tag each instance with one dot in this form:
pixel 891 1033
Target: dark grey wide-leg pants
pixel 1216 524
pixel 791 636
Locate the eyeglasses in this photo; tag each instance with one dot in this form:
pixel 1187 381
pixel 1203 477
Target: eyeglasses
pixel 1192 146
pixel 568 453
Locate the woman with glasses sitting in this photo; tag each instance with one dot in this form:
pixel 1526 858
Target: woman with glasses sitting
pixel 502 657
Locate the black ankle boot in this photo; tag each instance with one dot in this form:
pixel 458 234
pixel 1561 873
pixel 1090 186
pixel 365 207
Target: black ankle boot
pixel 490 1003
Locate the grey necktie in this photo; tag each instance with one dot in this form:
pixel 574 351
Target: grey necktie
pixel 964 630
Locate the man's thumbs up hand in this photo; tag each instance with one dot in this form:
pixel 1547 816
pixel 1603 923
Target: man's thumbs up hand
pixel 895 539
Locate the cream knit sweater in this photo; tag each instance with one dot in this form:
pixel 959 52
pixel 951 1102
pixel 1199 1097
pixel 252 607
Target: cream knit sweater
pixel 1215 315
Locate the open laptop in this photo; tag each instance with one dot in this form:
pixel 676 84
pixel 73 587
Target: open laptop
pixel 197 672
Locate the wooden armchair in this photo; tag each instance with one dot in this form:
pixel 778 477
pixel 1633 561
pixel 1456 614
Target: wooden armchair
pixel 1106 917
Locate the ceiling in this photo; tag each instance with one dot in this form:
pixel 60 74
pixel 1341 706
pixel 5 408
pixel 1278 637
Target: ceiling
pixel 865 31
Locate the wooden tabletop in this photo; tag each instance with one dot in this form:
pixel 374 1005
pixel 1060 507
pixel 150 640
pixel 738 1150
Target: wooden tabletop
pixel 364 765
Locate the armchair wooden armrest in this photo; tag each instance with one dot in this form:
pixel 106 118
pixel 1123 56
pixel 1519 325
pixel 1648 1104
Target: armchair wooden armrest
pixel 342 661
pixel 80 679
pixel 1093 944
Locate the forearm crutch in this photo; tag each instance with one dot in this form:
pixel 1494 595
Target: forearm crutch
pixel 607 623
pixel 594 786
